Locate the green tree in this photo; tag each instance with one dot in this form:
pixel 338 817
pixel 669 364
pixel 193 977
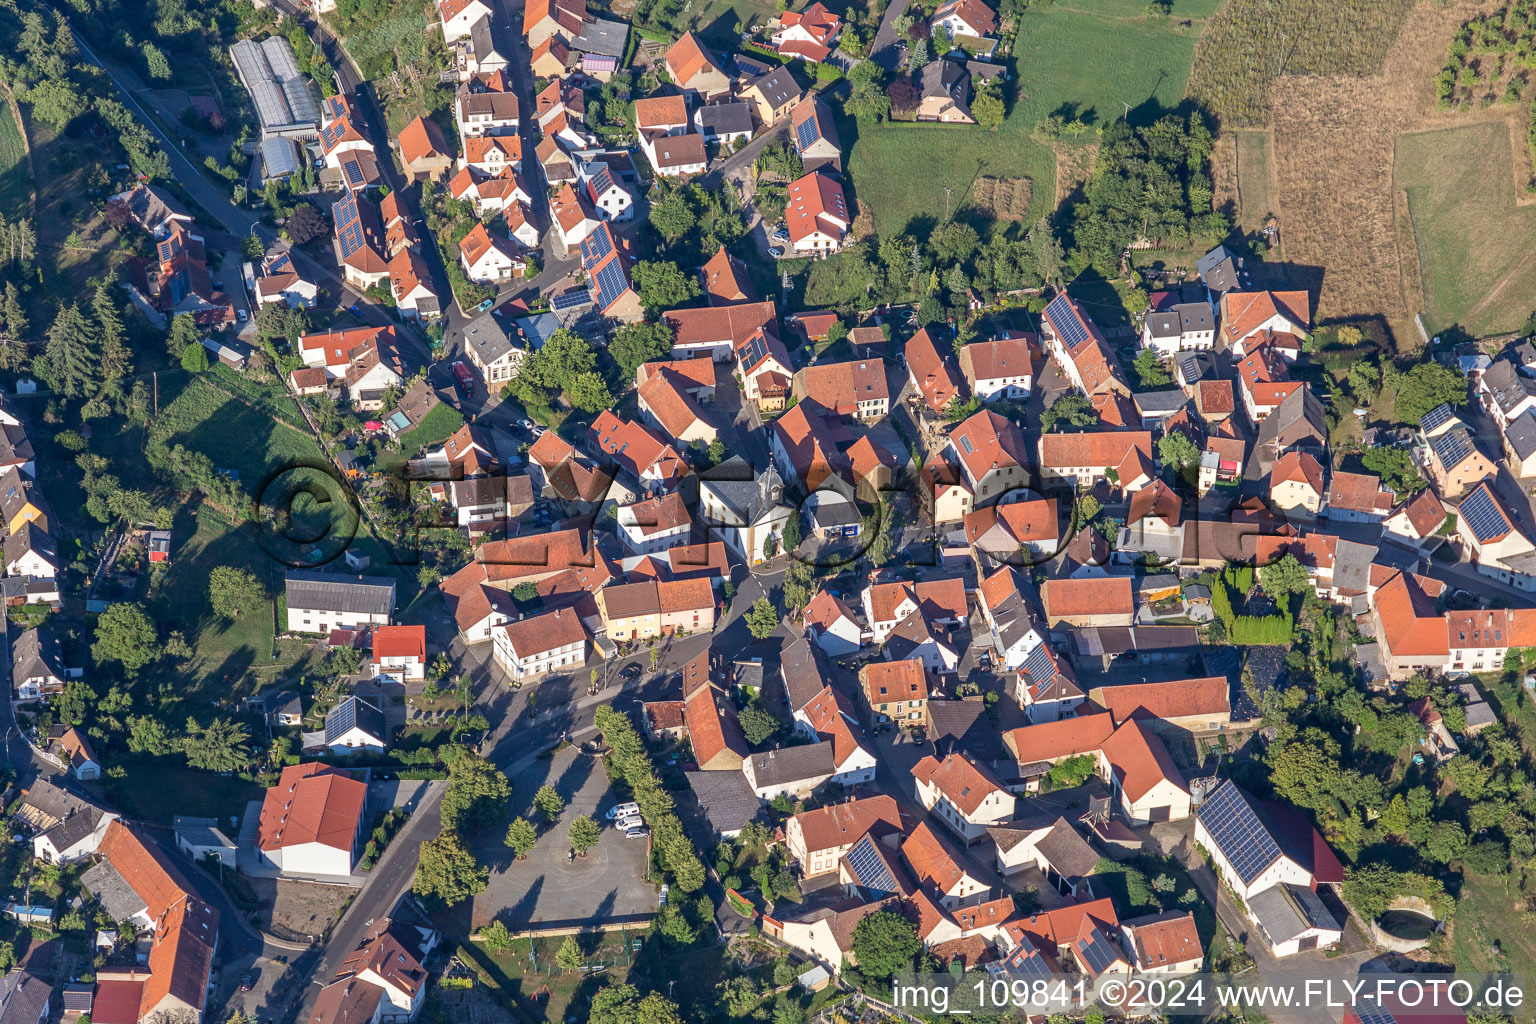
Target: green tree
pixel 638 343
pixel 1177 451
pixel 569 957
pixel 496 936
pixel 1149 370
pixel 126 634
pixel 521 836
pixel 1283 577
pixel 72 705
pixel 223 745
pixel 1426 386
pixel 622 1004
pixel 1364 381
pixel 988 108
pixel 1396 469
pixel 885 943
pixel 757 725
pixel 71 359
pixel 762 618
pixel 661 285
pixel 673 216
pixel 232 590
pixel 183 333
pixel 446 873
pixel 1071 410
pixel 548 802
pixel 476 794
pixel 1074 771
pixel 148 735
pixel 583 834
pixel 589 392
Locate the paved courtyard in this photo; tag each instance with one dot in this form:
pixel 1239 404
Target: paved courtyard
pixel 548 889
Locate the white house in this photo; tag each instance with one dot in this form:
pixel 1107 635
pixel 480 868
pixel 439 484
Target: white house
pixel 75 837
pixel 655 524
pixel 796 772
pixel 746 511
pixel 1165 943
pixel 31 552
pixel 400 653
pixel 459 16
pixel 1141 772
pixel 312 821
pixel 966 797
pixel 540 643
pixel 279 281
pixel 488 259
pixel 1254 848
pixel 608 197
pixel 410 283
pixel 354 725
pixel 831 624
pixel 1187 326
pixel 831 716
pixel 1003 368
pixel 319 602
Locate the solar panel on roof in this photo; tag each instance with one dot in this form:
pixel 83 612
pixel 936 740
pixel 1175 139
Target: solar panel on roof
pixel 611 283
pixel 1065 322
pixel 807 133
pixel 1374 1015
pixel 1237 831
pixel 869 868
pixel 354 172
pixel 1452 448
pixel 1098 951
pixel 1040 667
pixel 596 246
pixel 1436 417
pixel 1483 515
pixel 1027 959
pixel 755 350
pixel 570 300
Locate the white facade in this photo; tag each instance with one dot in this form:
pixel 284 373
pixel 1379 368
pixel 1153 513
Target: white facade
pixel 323 620
pixel 307 859
pixel 495 266
pixel 1282 871
pixel 995 809
pixel 839 637
pixel 535 663
pixel 458 26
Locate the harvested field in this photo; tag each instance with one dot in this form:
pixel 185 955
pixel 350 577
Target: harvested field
pixel 1002 198
pixel 1073 165
pixel 1249 44
pixel 1255 179
pixel 1333 148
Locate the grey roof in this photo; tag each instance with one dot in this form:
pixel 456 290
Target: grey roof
pixel 1163 325
pixel 1369 657
pixel 728 801
pixel 828 514
pixel 777 87
pixel 749 67
pixel 1453 447
pixel 724 118
pixel 202 832
pixel 280 702
pixel 603 37
pixel 31 538
pixel 284 99
pixel 1100 640
pixel 537 329
pixel 279 157
pixel 74 828
pixel 1193 366
pixel 37 654
pixel 486 337
pixel 112 891
pixel 1352 564
pixel 1479 714
pixel 1521 435
pixel 944 78
pixel 1067 851
pixel 805 670
pixel 26 998
pixel 15 446
pixel 1159 403
pixel 1299 408
pixel 1195 316
pixel 153 206
pixel 16 491
pixel 1014 618
pixel 793 764
pixel 46 800
pixel 1523 352
pixel 482 41
pixel 747 672
pixel 1437 417
pixel 1286 911
pixel 78 996
pixel 1507 385
pixel 963 725
pixel 480 491
pixel 350 713
pixel 335 592
pixel 911 635
pixel 748 495
pixel 1221 271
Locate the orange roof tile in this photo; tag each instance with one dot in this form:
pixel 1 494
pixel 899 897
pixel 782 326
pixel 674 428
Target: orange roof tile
pixel 1095 449
pixel 420 140
pixel 1298 467
pixel 840 387
pixel 932 860
pixel 311 803
pixel 1242 313
pixel 399 642
pixel 1140 760
pixel 888 681
pixel 837 825
pixel 686 58
pixel 1111 595
pixel 661 112
pixel 1178 698
pixel 1408 623
pixel 1050 741
pixel 964 783
pixel 936 378
pixel 987 441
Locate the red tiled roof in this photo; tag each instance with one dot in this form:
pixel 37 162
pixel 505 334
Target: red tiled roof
pixel 1243 312
pixel 420 140
pixel 816 204
pixel 931 859
pixel 720 325
pixel 936 378
pixel 828 828
pixel 888 681
pixel 1049 741
pixel 1162 941
pixel 686 58
pixel 1109 595
pixel 661 112
pixel 539 633
pixel 1178 698
pixel 839 387
pixel 964 783
pixel 712 726
pixel 1095 449
pixel 1409 625
pixel 311 803
pixel 1299 467
pixel 1214 397
pixel 1425 513
pixel 986 441
pixel 399 642
pixel 144 867
pixel 568 14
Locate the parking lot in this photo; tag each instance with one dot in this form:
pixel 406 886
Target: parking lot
pixel 550 889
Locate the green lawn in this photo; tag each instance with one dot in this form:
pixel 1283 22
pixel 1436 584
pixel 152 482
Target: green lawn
pixel 157 789
pixel 1474 243
pixel 434 428
pixel 15 184
pixel 1068 60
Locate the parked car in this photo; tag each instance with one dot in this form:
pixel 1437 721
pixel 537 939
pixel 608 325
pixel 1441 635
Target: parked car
pixel 632 822
pixel 623 810
pixel 775 252
pixel 242 315
pixel 525 424
pixel 465 379
pixel 661 897
pixel 639 832
pixel 485 305
pixel 246 981
pixel 631 671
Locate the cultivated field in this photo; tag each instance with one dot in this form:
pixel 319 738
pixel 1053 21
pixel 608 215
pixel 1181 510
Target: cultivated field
pixel 1255 189
pixel 15 182
pixel 1475 246
pixel 1249 43
pixel 1002 198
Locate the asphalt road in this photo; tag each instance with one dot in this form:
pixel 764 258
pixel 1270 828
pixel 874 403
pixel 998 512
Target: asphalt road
pixel 884 50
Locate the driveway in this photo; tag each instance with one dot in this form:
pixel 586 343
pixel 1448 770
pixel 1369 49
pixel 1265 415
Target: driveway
pixel 884 50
